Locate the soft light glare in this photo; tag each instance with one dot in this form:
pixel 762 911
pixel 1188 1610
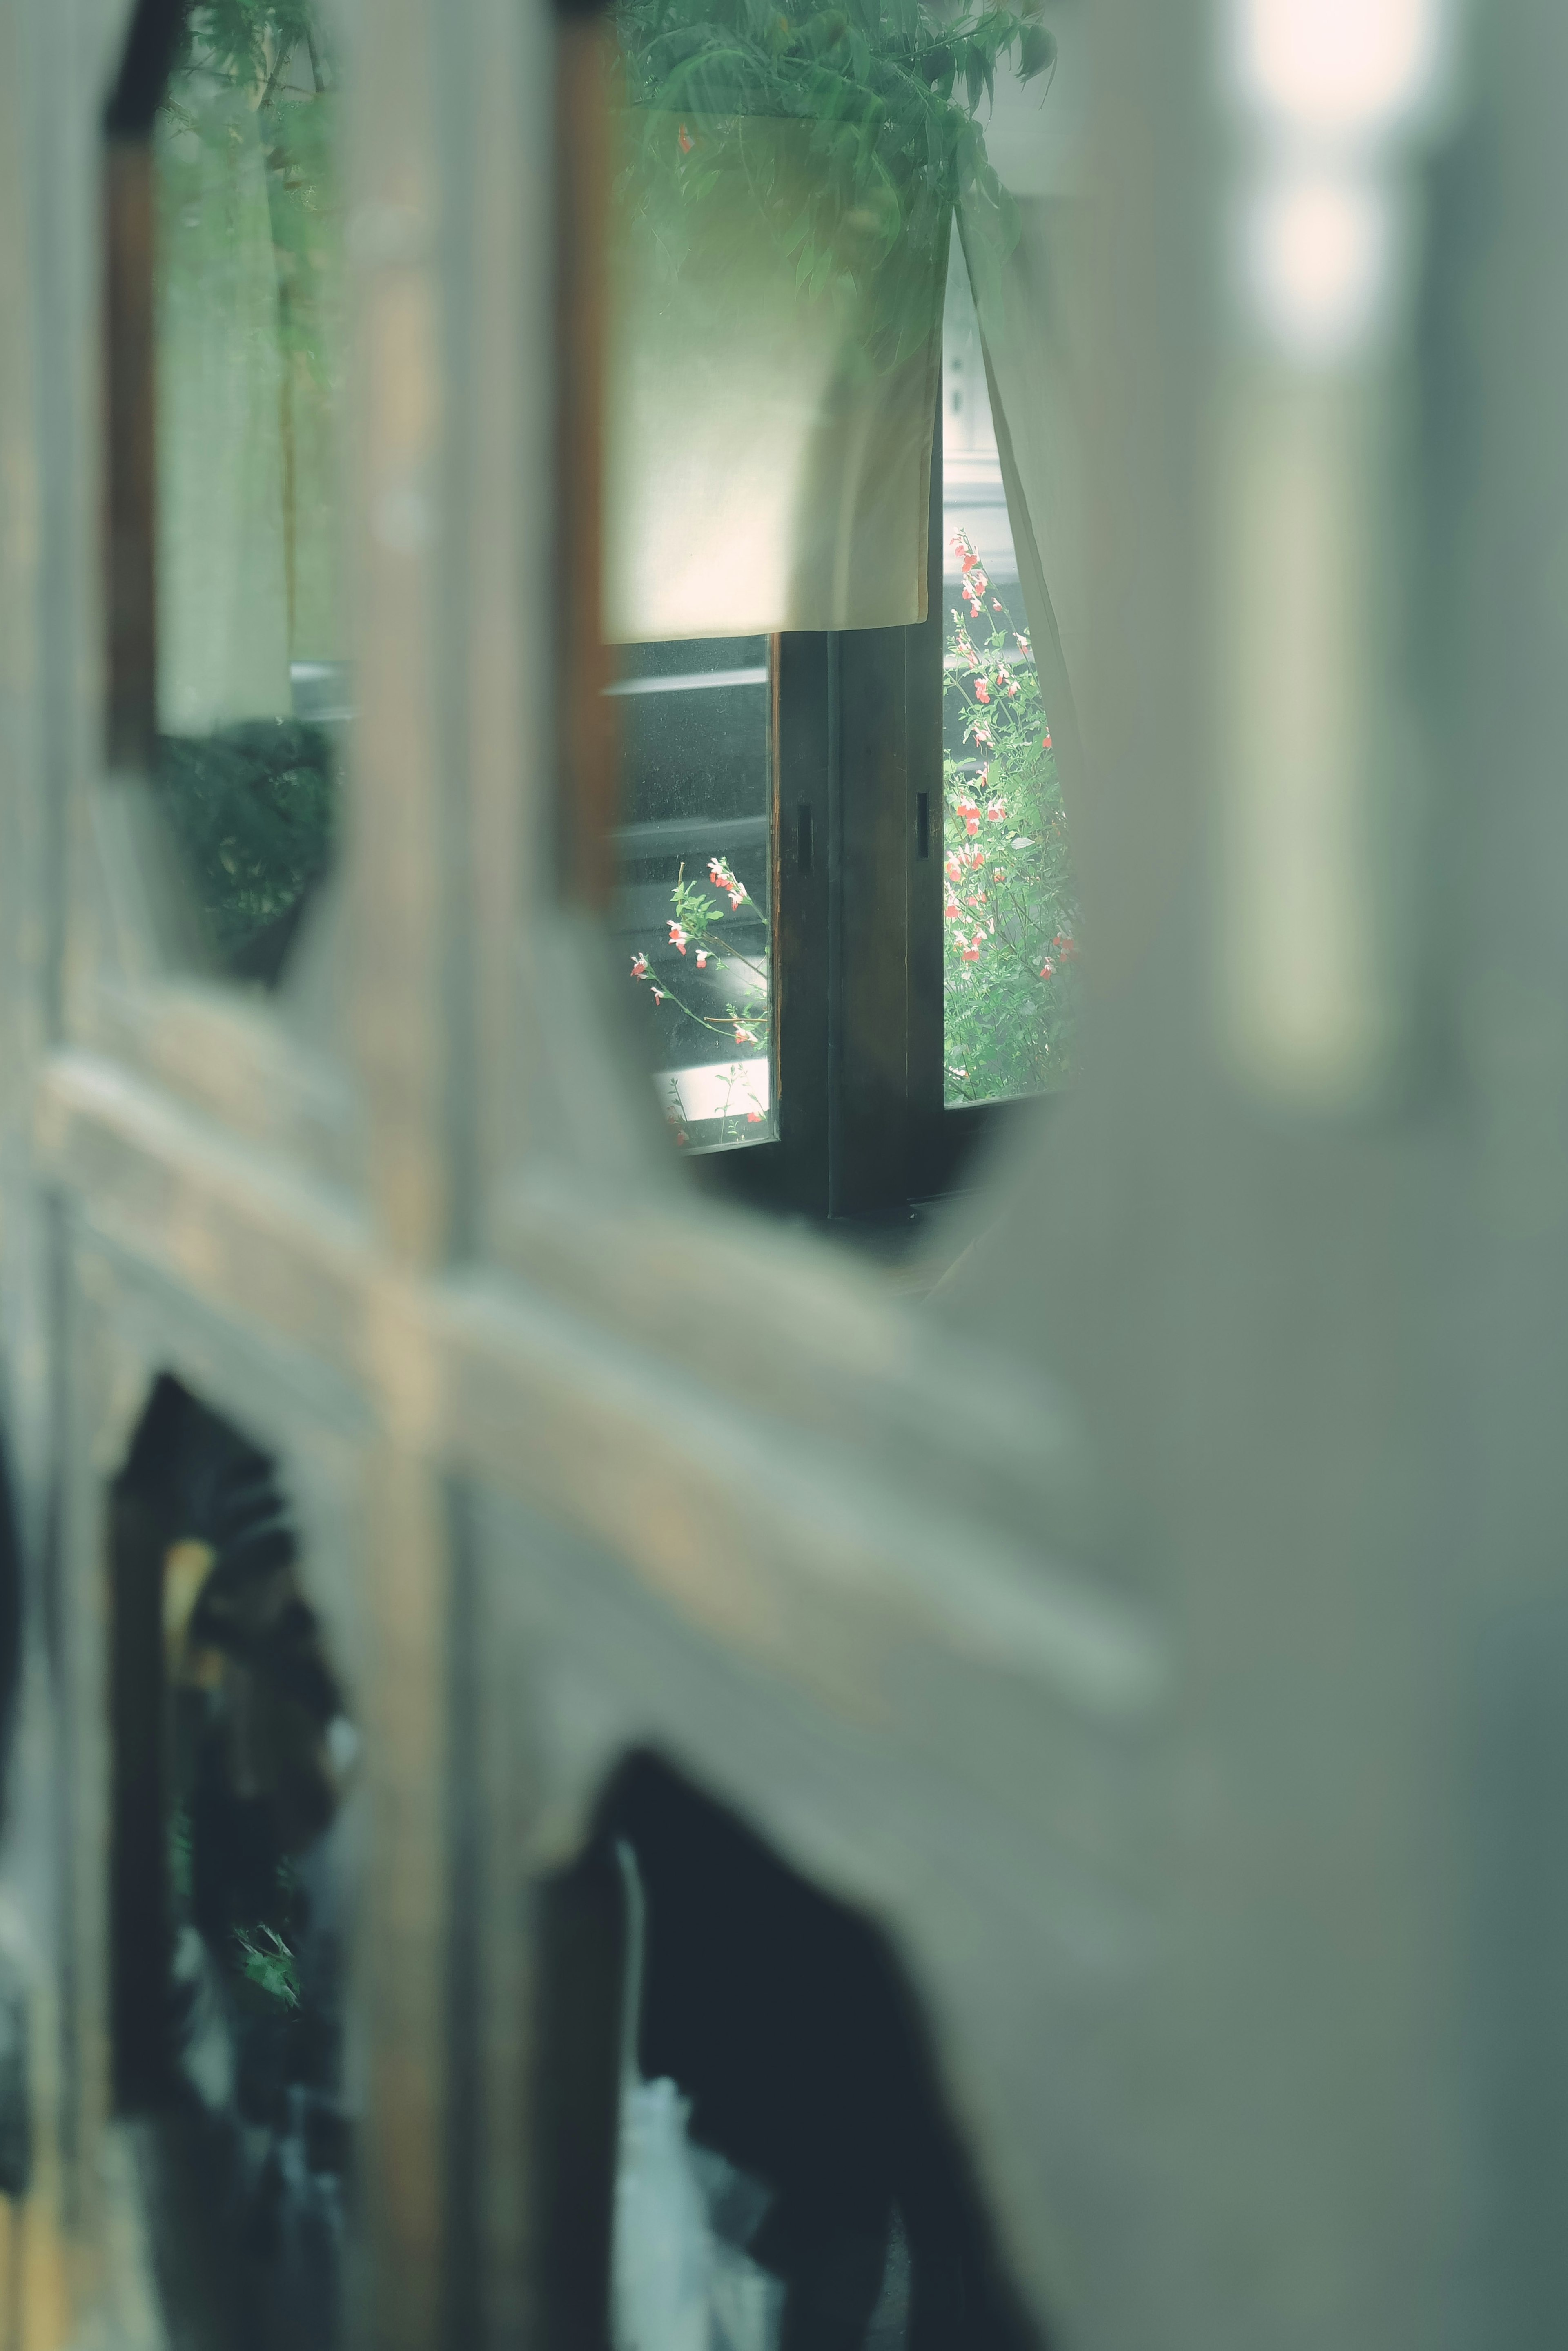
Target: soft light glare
pixel 1339 67
pixel 1318 253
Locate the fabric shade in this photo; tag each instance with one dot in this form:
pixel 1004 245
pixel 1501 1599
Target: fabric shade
pixel 248 371
pixel 768 421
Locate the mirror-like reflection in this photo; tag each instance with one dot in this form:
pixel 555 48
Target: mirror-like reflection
pixel 250 358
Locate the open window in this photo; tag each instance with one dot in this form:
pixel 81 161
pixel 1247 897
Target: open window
pixel 845 891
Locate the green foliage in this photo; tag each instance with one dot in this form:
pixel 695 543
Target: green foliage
pixel 253 809
pixel 180 1855
pixel 240 51
pixel 1011 981
pixel 266 1962
pixel 887 92
pixel 695 936
pixel 249 42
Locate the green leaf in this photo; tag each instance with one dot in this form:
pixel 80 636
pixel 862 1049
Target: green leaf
pixel 1036 52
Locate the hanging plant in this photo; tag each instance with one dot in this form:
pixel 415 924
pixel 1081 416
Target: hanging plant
pixel 886 95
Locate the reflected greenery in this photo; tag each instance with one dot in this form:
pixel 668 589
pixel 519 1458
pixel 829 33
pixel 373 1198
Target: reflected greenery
pixel 253 809
pixel 250 371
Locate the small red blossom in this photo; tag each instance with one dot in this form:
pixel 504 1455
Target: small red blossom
pixel 743 1036
pixel 753 1117
pixel 701 958
pixel 658 996
pixel 1046 969
pixel 678 939
pixel 951 911
pixel 996 813
pixel 640 967
pixel 982 691
pixel 971 954
pixel 951 868
pixel 684 140
pixel 1046 741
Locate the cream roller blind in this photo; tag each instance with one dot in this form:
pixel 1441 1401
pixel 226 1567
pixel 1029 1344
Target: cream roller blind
pixel 768 423
pixel 249 372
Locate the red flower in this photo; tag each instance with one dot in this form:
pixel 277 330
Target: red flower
pixel 701 958
pixel 1046 969
pixel 658 996
pixel 684 141
pixel 971 954
pixel 996 813
pixel 951 868
pixel 678 939
pixel 752 1116
pixel 971 823
pixel 1045 745
pixel 982 691
pixel 640 967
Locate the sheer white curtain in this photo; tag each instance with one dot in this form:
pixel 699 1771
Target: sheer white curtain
pixel 1029 302
pixel 1024 305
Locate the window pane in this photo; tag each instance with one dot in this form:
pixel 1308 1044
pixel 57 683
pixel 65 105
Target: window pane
pixel 693 906
pixel 249 303
pixel 1009 915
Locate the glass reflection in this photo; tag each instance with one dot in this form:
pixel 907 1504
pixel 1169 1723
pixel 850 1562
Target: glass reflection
pixel 692 908
pixel 249 328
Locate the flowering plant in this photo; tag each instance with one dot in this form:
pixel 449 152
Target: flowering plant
pixel 1010 907
pixel 694 937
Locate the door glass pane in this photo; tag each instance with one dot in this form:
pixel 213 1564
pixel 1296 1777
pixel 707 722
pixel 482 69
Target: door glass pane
pixel 693 907
pixel 248 305
pixel 1009 911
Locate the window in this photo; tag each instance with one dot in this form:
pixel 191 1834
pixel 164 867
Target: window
pixel 845 894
